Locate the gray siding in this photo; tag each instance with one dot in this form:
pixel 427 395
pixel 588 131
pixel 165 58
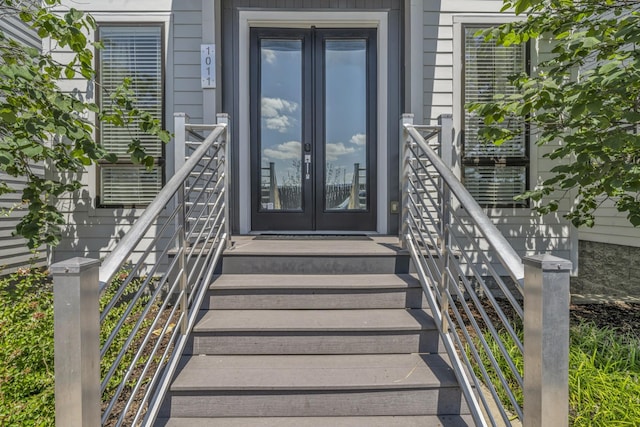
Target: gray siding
pixel 611 227
pixel 187 36
pixel 442 56
pixel 13 250
pixel 93 231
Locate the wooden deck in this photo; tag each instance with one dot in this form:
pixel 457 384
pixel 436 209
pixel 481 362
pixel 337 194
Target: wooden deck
pixel 318 332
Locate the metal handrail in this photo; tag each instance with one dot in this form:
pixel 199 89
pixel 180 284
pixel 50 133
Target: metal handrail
pixel 508 256
pixel 152 288
pixel 114 261
pixel 442 225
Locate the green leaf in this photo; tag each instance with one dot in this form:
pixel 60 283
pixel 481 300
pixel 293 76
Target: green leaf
pixel 69 73
pixel 33 150
pixel 6 158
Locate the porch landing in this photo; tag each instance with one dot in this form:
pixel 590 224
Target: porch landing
pixel 315 245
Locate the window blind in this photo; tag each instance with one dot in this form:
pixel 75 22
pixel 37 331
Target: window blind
pixel 491 185
pixel 493 174
pixel 135 53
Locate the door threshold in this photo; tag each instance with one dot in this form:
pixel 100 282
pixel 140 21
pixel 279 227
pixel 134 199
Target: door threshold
pixel 312 233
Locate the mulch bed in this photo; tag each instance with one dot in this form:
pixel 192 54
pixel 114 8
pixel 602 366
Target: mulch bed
pixel 623 317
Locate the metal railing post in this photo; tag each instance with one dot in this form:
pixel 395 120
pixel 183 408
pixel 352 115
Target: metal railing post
pixel 445 140
pixel 405 119
pixel 182 262
pixel 444 253
pixel 179 139
pixel 546 341
pixel 445 121
pixel 77 342
pixel 223 119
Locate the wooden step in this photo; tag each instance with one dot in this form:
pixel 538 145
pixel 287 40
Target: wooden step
pixel 379 255
pixel 382 421
pixel 292 291
pixel 315 332
pixel 314 385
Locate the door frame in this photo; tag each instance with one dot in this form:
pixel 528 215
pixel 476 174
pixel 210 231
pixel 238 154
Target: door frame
pixel 314 215
pixel 302 19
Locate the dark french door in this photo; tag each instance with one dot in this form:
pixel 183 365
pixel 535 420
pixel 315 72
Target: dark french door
pixel 313 129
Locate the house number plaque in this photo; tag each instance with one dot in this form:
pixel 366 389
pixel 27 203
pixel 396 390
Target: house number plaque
pixel 208 66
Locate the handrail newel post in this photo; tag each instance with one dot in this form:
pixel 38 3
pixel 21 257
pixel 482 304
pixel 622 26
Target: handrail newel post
pixel 76 291
pixel 182 264
pixel 179 139
pixel 445 121
pixel 546 341
pixel 405 119
pixel 181 119
pixel 444 253
pixel 223 119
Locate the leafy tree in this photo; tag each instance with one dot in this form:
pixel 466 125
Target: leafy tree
pixel 40 123
pixel 585 94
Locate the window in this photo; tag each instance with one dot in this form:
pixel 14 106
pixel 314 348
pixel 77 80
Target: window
pixel 133 52
pixel 492 174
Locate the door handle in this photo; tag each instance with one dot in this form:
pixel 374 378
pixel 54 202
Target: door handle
pixel 307 165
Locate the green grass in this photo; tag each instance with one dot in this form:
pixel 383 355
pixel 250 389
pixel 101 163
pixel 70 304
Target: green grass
pixel 604 376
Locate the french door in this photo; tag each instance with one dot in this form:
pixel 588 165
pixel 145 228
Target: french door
pixel 313 129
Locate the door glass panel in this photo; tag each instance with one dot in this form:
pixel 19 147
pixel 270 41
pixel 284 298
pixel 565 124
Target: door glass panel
pixel 280 130
pixel 345 145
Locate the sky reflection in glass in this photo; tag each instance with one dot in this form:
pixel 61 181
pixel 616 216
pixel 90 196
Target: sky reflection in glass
pixel 345 68
pixel 281 124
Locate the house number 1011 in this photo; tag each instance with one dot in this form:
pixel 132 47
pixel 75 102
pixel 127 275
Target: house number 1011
pixel 208 65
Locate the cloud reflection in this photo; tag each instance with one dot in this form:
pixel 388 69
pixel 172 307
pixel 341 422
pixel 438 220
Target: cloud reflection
pixel 335 150
pixel 275 113
pixel 286 150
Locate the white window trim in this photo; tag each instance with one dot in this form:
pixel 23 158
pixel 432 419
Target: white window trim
pixel 124 19
pixel 459 21
pixel 303 19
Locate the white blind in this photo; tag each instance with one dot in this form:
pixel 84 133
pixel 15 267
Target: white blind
pixel 487 69
pixel 129 185
pixel 495 185
pixel 134 53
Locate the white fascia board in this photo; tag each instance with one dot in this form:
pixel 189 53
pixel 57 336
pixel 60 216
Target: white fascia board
pixel 141 6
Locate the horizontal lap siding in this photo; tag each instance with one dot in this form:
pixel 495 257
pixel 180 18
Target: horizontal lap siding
pixel 13 250
pixel 611 227
pixel 438 60
pixel 187 37
pixel 94 232
pixel 528 233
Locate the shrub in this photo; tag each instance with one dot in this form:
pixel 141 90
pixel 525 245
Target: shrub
pixel 26 350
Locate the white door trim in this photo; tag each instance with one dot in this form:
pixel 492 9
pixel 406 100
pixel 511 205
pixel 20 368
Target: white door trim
pixel 303 19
